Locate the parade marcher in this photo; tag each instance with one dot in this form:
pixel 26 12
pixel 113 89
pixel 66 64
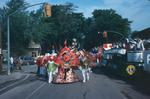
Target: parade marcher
pixel 40 64
pixel 53 51
pixel 75 46
pixel 85 69
pixel 51 69
pixel 43 66
pixel 99 54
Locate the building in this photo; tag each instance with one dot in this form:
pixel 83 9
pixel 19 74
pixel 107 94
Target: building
pixel 144 34
pixel 34 49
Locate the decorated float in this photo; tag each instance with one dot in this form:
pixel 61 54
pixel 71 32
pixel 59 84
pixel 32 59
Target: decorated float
pixel 67 61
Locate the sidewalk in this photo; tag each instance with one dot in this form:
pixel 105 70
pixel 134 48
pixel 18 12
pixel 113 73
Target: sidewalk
pixel 16 74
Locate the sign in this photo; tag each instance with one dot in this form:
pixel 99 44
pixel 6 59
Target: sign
pixel 131 69
pixel 147 60
pixel 107 46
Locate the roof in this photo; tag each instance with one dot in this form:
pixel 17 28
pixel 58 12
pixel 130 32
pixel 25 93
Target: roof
pixel 34 45
pixel 144 34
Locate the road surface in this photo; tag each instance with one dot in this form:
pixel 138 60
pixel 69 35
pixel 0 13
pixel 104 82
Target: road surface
pixel 100 86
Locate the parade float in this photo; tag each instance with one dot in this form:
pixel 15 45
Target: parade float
pixel 67 61
pixel 128 60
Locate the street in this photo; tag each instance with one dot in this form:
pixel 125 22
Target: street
pixel 100 86
pixel 74 49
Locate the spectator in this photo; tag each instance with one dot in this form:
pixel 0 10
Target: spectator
pixel 11 63
pixel 19 63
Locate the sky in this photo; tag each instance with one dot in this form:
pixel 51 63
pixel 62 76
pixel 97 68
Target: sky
pixel 137 11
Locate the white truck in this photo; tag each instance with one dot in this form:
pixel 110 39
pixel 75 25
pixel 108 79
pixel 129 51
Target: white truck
pixel 125 62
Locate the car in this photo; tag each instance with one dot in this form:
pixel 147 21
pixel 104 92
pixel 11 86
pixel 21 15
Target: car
pixel 27 60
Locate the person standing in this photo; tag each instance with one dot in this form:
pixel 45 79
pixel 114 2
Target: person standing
pixel 39 63
pixel 20 62
pixel 51 69
pixel 85 69
pixel 99 54
pixel 11 63
pixel 140 45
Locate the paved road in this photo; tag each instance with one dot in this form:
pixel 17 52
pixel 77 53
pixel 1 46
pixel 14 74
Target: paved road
pixel 99 87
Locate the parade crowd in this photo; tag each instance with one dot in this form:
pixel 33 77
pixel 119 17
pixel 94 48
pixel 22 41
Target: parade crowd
pixel 60 67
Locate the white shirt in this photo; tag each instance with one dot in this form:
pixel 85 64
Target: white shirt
pixel 11 60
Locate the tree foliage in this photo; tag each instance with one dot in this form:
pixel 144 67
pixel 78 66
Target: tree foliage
pixel 18 18
pixel 65 23
pixel 106 20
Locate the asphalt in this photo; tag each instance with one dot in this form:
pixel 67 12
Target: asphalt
pixel 16 77
pixel 93 89
pixel 102 85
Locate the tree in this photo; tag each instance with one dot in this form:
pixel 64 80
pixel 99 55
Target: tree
pixel 64 24
pixel 107 20
pixel 17 24
pixel 110 20
pixel 3 26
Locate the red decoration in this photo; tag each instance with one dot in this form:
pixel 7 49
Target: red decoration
pixel 67 56
pixel 107 46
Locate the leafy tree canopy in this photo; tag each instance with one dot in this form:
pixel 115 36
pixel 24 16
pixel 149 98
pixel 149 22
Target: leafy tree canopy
pixel 65 23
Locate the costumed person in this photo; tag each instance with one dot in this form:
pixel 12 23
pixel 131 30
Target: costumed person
pixel 84 67
pixel 99 54
pixel 54 54
pixel 51 69
pixel 53 49
pixel 65 61
pixel 75 45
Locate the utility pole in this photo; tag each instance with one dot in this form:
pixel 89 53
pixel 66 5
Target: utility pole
pixel 8 47
pixel 0 49
pixel 47 11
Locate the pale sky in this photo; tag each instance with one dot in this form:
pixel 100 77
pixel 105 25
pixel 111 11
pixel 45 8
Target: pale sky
pixel 137 11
